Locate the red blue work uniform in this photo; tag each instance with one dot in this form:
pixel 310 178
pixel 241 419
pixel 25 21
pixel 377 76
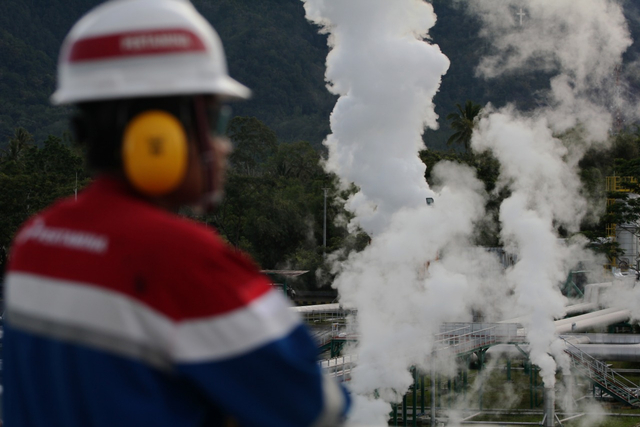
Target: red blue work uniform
pixel 122 314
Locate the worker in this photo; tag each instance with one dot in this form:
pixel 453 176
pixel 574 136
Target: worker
pixel 120 312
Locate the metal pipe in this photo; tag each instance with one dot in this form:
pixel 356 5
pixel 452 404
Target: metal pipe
pixel 465 378
pixel 591 322
pixel 530 384
pixel 404 410
pixel 570 320
pixel 324 233
pixel 395 414
pixel 535 385
pixel 569 310
pixel 572 417
pixel 415 397
pixel 580 308
pixel 612 352
pixel 422 397
pixel 606 338
pixel 549 406
pixel 433 397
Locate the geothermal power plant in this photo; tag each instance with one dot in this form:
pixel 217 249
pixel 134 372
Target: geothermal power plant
pixel 433 323
pixel 473 343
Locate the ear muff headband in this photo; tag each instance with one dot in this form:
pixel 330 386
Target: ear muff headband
pixel 154 152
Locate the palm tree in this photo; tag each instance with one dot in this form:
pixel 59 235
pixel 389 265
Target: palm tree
pixel 463 123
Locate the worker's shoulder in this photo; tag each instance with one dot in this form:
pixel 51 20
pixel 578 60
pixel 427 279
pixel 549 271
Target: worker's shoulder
pixel 169 240
pixel 155 224
pixel 215 278
pixel 127 226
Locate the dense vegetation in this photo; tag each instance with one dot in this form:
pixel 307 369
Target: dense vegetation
pixel 270 47
pixel 32 177
pixel 273 209
pixel 274 206
pixel 269 44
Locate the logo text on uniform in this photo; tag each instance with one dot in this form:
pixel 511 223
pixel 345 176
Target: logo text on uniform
pixel 64 237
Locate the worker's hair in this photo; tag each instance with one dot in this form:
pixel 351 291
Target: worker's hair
pixel 99 126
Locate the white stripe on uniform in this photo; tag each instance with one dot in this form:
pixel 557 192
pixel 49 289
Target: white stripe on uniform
pixel 72 309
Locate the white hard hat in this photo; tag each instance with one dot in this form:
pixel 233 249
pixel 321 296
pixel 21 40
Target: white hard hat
pixel 143 48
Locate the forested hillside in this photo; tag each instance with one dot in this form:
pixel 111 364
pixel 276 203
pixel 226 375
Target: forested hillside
pixel 275 201
pixel 270 47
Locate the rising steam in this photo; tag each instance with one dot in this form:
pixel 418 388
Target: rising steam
pixel 582 44
pixel 386 76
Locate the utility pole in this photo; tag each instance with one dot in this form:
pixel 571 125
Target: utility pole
pixel 324 232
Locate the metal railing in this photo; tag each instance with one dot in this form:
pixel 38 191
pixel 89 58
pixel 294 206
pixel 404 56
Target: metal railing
pixel 598 372
pixel 455 338
pixel 459 338
pixel 615 183
pixel 323 338
pixel 339 367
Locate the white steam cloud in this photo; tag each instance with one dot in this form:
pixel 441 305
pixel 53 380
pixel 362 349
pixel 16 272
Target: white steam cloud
pixel 581 41
pixel 582 44
pixel 402 303
pixel 386 77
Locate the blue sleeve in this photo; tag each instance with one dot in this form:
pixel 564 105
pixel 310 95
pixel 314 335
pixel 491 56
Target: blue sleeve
pixel 277 385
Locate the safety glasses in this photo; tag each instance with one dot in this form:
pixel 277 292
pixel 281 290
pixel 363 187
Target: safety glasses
pixel 223 115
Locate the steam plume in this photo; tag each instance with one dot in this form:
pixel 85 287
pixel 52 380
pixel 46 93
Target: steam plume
pixel 582 43
pixel 386 77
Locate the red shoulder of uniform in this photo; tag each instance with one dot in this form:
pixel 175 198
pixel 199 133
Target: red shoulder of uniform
pixel 120 244
pixel 201 274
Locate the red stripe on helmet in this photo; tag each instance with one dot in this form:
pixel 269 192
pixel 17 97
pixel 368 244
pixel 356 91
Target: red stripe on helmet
pixel 135 43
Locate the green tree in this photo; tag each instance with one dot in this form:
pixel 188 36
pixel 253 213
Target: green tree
pixel 11 157
pixel 253 144
pixel 18 144
pixel 274 203
pixel 32 178
pixel 463 122
pixel 487 169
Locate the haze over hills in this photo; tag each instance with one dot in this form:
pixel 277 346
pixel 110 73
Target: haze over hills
pixel 272 49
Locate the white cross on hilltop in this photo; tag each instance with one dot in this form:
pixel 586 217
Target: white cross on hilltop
pixel 521 14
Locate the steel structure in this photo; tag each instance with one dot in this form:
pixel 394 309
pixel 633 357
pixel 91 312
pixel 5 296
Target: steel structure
pixel 465 339
pixel 601 375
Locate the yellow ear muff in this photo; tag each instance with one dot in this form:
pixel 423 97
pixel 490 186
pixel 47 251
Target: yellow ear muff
pixel 154 152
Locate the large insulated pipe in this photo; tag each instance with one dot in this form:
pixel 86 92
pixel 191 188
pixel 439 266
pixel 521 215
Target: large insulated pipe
pixel 569 310
pixel 586 316
pixel 609 352
pixel 583 307
pixel 612 352
pixel 590 322
pixel 600 338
